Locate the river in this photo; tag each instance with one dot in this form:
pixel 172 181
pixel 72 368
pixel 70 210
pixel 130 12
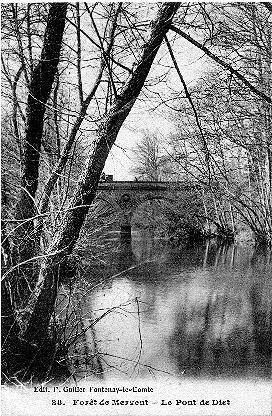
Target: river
pixel 198 310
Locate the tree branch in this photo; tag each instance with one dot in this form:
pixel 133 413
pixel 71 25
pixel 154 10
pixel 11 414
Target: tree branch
pixel 188 96
pixel 222 63
pixel 41 302
pixel 98 46
pixel 80 89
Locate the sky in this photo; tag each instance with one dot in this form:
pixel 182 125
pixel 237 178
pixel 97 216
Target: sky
pixel 142 117
pixel 192 64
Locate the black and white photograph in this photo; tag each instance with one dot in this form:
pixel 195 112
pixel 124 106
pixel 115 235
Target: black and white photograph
pixel 136 208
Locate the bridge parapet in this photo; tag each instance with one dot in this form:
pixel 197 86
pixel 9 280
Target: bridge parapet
pixel 141 186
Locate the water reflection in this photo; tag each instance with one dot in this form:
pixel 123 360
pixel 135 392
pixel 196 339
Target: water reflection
pixel 126 256
pixel 200 310
pixel 217 336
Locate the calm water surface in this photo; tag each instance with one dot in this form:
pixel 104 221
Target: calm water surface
pixel 191 311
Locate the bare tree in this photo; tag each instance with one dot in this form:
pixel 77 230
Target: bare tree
pixel 231 114
pixel 151 163
pixel 34 320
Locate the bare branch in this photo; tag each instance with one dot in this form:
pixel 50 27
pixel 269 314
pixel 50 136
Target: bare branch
pixel 188 96
pixel 80 90
pixel 222 63
pixel 98 46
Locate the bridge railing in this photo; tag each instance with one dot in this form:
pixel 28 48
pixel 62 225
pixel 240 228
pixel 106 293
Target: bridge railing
pixel 143 185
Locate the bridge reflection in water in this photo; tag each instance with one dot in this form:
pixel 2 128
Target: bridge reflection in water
pixel 201 311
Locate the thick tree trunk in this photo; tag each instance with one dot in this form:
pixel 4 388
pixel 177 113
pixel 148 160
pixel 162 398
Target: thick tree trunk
pixel 39 92
pixel 41 303
pixel 14 285
pixel 60 165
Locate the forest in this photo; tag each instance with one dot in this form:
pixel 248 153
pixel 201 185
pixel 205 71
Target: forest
pixel 72 76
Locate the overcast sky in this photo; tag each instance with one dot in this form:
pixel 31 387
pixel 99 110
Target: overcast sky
pixel 120 161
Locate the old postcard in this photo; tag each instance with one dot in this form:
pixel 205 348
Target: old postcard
pixel 136 208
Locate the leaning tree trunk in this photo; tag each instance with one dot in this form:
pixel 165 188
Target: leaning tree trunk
pixel 41 303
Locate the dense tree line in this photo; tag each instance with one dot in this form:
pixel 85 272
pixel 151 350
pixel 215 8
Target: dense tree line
pixel 221 138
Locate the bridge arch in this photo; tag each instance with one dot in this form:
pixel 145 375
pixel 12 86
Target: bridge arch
pixel 129 204
pixel 126 197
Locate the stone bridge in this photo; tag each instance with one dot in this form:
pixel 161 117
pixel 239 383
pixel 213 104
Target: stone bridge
pixel 125 197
